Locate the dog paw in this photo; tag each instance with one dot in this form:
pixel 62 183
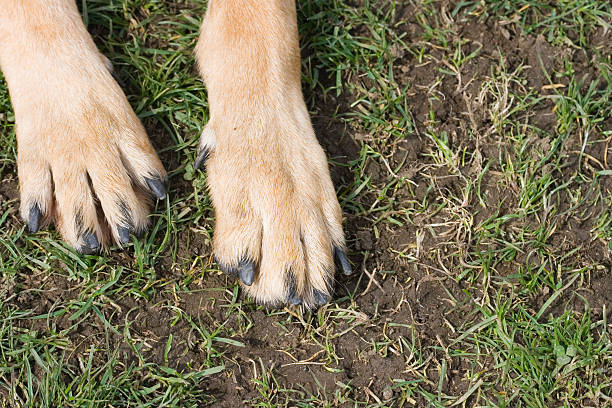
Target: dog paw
pixel 278 221
pixel 84 160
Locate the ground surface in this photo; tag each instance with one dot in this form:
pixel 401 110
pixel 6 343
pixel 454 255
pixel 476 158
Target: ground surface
pixel 471 147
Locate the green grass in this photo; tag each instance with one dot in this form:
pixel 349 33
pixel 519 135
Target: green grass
pixel 475 181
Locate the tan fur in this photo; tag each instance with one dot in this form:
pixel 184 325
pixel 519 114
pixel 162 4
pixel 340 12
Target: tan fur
pixel 74 123
pixel 267 174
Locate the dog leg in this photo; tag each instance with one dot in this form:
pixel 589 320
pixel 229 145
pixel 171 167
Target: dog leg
pixel 80 145
pixel 278 219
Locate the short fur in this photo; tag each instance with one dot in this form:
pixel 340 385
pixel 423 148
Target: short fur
pixel 79 140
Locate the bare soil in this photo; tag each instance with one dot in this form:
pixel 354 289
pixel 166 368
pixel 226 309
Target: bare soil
pixel 424 301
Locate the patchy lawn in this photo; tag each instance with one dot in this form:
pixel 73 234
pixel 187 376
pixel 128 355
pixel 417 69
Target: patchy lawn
pixel 471 147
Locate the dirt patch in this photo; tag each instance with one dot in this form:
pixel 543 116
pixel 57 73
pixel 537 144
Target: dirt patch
pixel 410 291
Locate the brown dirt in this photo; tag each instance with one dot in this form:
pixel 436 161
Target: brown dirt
pixel 421 294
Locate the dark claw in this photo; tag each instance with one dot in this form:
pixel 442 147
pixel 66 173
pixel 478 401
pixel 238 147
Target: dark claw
pixel 343 261
pixel 157 187
pixel 124 234
pixel 34 219
pixel 320 297
pixel 90 245
pixel 201 159
pixel 293 298
pixel 246 271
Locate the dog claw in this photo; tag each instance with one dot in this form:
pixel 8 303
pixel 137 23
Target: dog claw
pixel 293 298
pixel 124 234
pixel 91 244
pixel 343 261
pixel 157 187
pixel 246 272
pixel 320 297
pixel 201 159
pixel 34 219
